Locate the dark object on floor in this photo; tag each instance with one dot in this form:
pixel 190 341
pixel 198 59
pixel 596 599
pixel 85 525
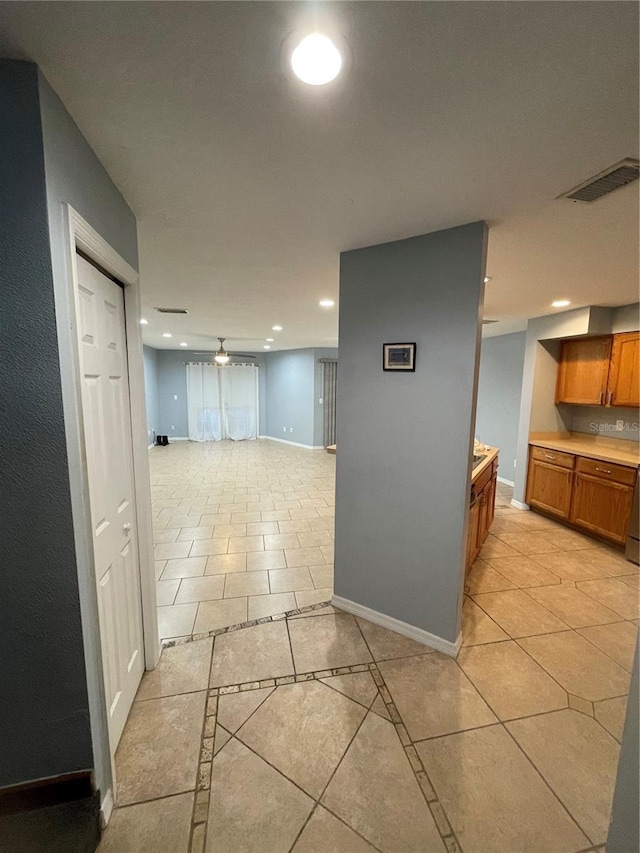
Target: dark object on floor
pixel 58 818
pixel 162 440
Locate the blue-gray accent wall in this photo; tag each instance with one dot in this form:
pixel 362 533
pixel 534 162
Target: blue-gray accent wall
pixel 290 384
pixel 499 391
pixel 405 439
pixel 150 356
pixel 43 698
pixel 74 176
pixel 50 666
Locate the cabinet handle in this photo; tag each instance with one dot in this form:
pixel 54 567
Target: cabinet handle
pixel 549 456
pixel 609 398
pixel 601 398
pixel 603 470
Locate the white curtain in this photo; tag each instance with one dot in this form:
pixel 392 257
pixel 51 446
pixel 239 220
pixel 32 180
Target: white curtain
pixel 222 402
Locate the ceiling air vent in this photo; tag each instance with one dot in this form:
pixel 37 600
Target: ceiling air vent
pixel 172 310
pixel 619 175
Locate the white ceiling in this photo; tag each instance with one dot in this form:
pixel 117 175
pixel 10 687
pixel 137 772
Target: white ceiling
pixel 247 184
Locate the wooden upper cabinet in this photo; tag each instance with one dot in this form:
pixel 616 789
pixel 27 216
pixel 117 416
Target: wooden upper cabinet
pixel 583 371
pixel 624 372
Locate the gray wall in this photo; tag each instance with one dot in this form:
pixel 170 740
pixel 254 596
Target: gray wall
pixel 150 356
pixel 318 407
pixel 595 420
pixel 290 387
pixel 75 176
pixel 44 705
pixel 624 831
pixel 499 390
pixel 403 463
pixel 290 392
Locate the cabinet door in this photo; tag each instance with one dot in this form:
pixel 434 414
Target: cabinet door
pixel 549 488
pixel 491 502
pixel 583 371
pixel 602 507
pixel 482 515
pixel 624 373
pixel 472 536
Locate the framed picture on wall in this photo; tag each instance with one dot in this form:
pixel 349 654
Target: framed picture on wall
pixel 399 357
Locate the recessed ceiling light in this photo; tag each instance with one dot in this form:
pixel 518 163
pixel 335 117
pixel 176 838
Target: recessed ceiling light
pixel 487 279
pixel 167 335
pixel 266 346
pixel 269 340
pixel 184 344
pixel 327 303
pixel 144 322
pixel 561 303
pixel 316 60
pixel 277 328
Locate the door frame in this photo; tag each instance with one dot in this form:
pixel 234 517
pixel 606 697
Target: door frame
pixel 79 234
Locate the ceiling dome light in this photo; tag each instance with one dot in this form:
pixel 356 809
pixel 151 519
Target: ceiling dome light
pixel 327 303
pixel 184 344
pixel 316 60
pixel 560 303
pixel 167 335
pixel 144 322
pixel 269 340
pixel 266 346
pixel 277 328
pixel 487 279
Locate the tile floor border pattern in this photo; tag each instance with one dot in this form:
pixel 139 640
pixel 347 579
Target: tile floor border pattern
pixel 277 617
pixel 201 800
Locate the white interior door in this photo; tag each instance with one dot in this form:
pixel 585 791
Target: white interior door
pixel 107 434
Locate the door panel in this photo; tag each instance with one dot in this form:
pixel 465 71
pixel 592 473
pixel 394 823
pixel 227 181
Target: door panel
pixel 107 433
pixel 583 371
pixel 549 488
pixel 624 377
pixel 602 507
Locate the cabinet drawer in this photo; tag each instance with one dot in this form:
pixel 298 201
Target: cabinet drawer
pixel 606 470
pixel 553 457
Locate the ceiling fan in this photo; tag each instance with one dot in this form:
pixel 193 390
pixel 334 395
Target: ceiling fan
pixel 223 357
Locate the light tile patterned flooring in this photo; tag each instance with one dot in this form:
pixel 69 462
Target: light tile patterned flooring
pixel 323 733
pixel 242 530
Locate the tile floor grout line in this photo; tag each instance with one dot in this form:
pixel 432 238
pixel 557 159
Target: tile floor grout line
pixel 547 783
pixel 393 711
pixel 516 640
pixel 415 761
pixel 203 781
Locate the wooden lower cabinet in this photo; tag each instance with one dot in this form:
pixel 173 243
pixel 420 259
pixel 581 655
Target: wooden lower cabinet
pixel 549 488
pixel 593 496
pixel 601 506
pixel 482 512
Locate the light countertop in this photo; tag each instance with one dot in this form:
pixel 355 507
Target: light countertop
pixel 491 453
pixel 620 452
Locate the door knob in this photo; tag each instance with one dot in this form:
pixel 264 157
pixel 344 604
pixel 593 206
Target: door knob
pixel 126 527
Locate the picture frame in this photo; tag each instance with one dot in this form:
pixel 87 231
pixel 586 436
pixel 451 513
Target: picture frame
pixel 399 357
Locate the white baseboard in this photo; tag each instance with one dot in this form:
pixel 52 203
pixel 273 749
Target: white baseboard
pixel 293 443
pixel 417 634
pixel 106 808
pixel 505 481
pixel 519 504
